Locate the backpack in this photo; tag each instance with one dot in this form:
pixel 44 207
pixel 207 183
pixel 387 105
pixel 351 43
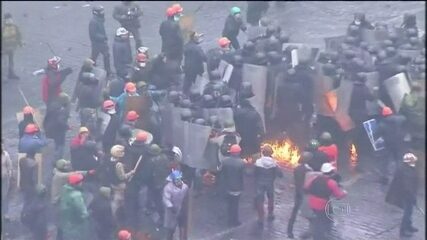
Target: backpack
pixel 229 140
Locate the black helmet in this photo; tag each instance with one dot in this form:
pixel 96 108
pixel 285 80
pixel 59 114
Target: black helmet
pixel 208 101
pixel 364 45
pixel 214 75
pixel 186 114
pixel 382 54
pixel 98 11
pixel 249 46
pixel 284 38
pixel 349 54
pixel 274 57
pixel 391 51
pixel 261 58
pixel 387 43
pixel 270 30
pixel 237 60
pixel 411 32
pixel 414 41
pixel 372 49
pixel 329 69
pixel 185 103
pixel 195 95
pixel 393 36
pixel 173 96
pixel 125 131
pixel 200 121
pixel 246 90
pixel 213 120
pixel 358 62
pixel 226 101
pixel 406 46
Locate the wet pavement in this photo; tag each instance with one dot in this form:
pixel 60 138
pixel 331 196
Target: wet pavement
pixel 63 26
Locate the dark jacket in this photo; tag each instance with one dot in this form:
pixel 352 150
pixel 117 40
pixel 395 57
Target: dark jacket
pixel 145 168
pixel 232 27
pixel 391 129
pixel 249 126
pixel 122 54
pixel 110 132
pixel 56 122
pixel 34 215
pixel 319 158
pixel 161 170
pixel 101 212
pixel 266 171
pixel 83 155
pixel 194 58
pixel 233 170
pixel 404 186
pixel 299 178
pixel 357 109
pixel 97 31
pixel 116 87
pixel 121 14
pixel 30 143
pixel 172 39
pixel 22 124
pixel 28 173
pixel 236 78
pixel 142 74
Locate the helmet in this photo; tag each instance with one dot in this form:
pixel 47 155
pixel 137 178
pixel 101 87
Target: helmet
pixel 411 32
pixel 215 75
pixel 235 149
pixel 194 95
pixel 306 156
pixel 176 175
pixel 413 40
pixel 170 12
pixel 177 8
pixel 117 151
pixel 28 110
pixel 208 100
pixel 105 191
pixel 349 54
pixel 75 178
pixel 143 50
pixel 390 51
pixel 186 114
pixel 31 128
pixel 270 30
pixel 386 111
pixel 121 31
pixel 83 130
pixel 141 136
pixel 264 21
pixel 246 90
pixel 185 103
pixel 313 144
pixel 235 10
pixel 54 62
pixel 154 149
pixel 249 46
pixel 98 10
pixel 141 57
pixel 226 101
pixel 61 164
pixel 327 168
pixel 108 105
pixel 173 96
pixel 132 116
pixel 284 38
pixel 409 157
pixel 178 153
pixel 124 235
pixel 267 150
pixel 213 120
pixel 325 136
pixel 387 43
pixel 372 49
pixel 200 121
pixel 130 87
pixel 238 60
pixel 261 58
pixel 223 42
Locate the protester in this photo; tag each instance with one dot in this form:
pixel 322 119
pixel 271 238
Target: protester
pixel 233 24
pixel 122 53
pixel 35 213
pixel 128 14
pixel 98 37
pixel 6 177
pixel 102 214
pixel 11 39
pixel 53 79
pixel 28 112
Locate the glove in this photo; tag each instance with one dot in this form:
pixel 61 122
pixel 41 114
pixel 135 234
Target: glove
pixel 67 70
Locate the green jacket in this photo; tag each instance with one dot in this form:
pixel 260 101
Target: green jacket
pixel 11 37
pixel 413 108
pixel 74 220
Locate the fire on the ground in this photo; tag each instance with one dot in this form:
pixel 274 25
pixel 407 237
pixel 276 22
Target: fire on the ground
pixel 285 152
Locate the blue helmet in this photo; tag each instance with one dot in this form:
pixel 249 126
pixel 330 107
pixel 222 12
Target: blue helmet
pixel 176 175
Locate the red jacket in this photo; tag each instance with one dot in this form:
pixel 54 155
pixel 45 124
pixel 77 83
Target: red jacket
pixel 46 84
pixel 320 188
pixel 332 152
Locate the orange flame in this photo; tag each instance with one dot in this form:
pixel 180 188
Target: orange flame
pixel 353 155
pixel 286 153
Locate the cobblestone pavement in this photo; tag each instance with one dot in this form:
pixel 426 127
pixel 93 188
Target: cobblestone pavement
pixel 63 25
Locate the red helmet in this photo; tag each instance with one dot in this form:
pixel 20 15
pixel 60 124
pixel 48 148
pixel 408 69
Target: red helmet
pixel 387 111
pixel 223 42
pixel 177 8
pixel 124 235
pixel 140 57
pixel 132 116
pixel 28 110
pixel 235 148
pixel 109 104
pixel 130 87
pixel 31 128
pixel 75 178
pixel 170 12
pixel 54 62
pixel 141 136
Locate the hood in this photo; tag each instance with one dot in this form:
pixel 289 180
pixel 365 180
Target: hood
pixel 266 162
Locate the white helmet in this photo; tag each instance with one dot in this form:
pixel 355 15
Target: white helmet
pixel 409 157
pixel 121 31
pixel 178 153
pixel 327 168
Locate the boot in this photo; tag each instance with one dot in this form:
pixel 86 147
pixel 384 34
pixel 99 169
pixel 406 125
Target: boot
pixel 270 210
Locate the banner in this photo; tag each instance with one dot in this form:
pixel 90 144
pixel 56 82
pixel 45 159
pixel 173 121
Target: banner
pixel 39 161
pixel 37 116
pixel 332 44
pixel 194 144
pixel 257 75
pixel 397 86
pixel 371 128
pixel 141 105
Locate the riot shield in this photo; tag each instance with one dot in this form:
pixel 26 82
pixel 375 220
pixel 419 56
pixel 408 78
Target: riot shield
pixel 141 105
pixel 343 94
pixel 227 73
pixel 255 32
pixel 274 76
pixel 397 86
pixel 200 83
pixel 223 114
pixel 371 128
pixel 257 75
pixel 333 43
pixel 101 75
pixel 323 95
pixel 222 67
pixel 372 80
pixel 194 144
pixel 171 125
pixel 37 116
pixel 374 37
pixel 304 52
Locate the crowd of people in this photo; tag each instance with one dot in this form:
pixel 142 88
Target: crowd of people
pixel 114 160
